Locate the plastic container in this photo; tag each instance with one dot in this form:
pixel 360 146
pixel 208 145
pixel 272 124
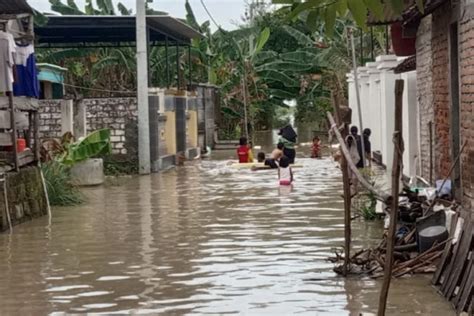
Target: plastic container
pixel 428 236
pixel 20 145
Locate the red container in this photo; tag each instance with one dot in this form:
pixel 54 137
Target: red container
pixel 20 145
pixel 402 46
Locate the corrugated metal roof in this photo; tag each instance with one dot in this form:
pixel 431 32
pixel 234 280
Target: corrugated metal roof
pixel 14 7
pixel 80 29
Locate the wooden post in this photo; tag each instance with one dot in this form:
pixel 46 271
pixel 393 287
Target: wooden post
pixel 13 131
pixel 430 126
pixel 347 191
pixel 36 136
pixel 397 161
pixel 29 134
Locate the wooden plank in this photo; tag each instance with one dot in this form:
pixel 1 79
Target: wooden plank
pixel 462 261
pixel 21 103
pixel 5 139
pixel 445 259
pixel 21 119
pixel 467 289
pixel 447 274
pixel 36 137
pixel 13 134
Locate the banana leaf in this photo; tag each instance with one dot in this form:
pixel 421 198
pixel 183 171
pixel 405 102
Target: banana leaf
pixel 93 145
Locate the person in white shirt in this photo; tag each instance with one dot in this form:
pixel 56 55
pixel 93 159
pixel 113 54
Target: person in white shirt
pixel 285 174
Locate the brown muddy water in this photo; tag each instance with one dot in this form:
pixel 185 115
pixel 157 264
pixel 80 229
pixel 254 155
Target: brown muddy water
pixel 201 239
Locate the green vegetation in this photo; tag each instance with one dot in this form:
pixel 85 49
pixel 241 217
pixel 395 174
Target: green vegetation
pixel 274 56
pixel 59 156
pixel 61 189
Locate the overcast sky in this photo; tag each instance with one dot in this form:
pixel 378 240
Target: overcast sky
pixel 225 12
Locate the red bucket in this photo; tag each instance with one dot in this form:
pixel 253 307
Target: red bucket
pixel 20 145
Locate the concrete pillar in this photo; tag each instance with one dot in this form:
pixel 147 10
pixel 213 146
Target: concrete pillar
pixel 80 119
pixel 410 126
pixel 374 121
pixel 352 96
pixel 67 117
pixel 364 97
pixel 387 103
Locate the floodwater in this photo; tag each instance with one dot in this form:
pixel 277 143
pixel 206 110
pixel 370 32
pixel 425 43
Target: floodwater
pixel 201 239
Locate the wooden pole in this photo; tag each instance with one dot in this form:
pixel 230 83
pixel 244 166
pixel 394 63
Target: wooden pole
pixel 397 161
pixel 13 131
pixel 430 127
pixel 36 136
pixel 7 207
pixel 381 196
pixel 347 192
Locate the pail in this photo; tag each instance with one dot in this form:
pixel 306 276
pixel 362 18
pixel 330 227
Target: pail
pixel 20 145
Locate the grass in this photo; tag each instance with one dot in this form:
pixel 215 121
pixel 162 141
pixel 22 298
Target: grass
pixel 61 189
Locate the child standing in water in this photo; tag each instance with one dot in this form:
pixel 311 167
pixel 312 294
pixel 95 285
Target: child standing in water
pixel 243 151
pixel 316 148
pixel 285 174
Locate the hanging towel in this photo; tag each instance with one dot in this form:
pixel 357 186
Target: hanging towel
pixel 26 83
pixel 7 61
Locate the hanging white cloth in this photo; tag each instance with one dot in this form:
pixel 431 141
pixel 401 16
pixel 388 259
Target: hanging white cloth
pixel 7 61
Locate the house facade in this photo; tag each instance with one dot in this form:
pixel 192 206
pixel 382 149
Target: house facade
pixel 438 103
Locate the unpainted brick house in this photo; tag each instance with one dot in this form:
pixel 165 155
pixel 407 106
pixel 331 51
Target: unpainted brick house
pixel 444 89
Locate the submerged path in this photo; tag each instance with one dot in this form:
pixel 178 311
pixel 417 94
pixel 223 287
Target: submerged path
pixel 202 239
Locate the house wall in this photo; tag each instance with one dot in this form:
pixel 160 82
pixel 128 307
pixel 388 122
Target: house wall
pixel 434 95
pixel 424 93
pixel 441 96
pixel 466 42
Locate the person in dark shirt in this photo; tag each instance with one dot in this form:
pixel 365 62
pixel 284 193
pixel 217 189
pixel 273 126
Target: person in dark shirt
pixel 355 134
pixel 367 145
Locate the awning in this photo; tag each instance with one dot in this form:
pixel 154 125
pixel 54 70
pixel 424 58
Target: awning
pixel 81 30
pixel 409 64
pixel 14 7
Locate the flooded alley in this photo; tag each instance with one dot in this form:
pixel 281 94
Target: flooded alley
pixel 200 239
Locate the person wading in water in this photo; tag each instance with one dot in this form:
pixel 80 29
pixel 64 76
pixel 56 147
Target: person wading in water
pixel 288 139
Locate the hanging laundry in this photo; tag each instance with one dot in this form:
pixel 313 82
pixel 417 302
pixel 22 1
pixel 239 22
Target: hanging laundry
pixel 26 83
pixel 7 61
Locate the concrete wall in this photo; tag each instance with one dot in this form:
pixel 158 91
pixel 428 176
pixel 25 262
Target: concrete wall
pixel 26 198
pixel 377 83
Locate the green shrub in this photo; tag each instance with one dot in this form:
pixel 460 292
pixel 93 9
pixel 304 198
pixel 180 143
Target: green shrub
pixel 61 190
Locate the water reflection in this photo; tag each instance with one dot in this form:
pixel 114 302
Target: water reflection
pixel 200 239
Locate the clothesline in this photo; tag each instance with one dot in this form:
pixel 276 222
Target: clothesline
pixel 98 90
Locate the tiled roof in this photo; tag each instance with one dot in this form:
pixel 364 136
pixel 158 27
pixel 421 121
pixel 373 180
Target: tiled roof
pixel 14 7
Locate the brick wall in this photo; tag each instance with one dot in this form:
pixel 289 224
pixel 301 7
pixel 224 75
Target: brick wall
pixel 441 97
pixel 50 118
pixel 120 116
pixel 117 114
pixel 466 40
pixel 424 90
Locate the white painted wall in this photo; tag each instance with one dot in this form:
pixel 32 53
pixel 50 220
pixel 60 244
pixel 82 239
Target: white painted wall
pixel 387 102
pixel 374 114
pixel 410 126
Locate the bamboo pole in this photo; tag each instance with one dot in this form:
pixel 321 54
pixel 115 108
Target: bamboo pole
pixel 381 196
pixel 347 192
pixel 397 157
pixel 7 207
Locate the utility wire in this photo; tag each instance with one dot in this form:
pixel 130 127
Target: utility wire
pixel 210 15
pixel 99 90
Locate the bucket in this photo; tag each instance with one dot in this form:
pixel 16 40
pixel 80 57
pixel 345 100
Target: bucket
pixel 20 145
pixel 428 236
